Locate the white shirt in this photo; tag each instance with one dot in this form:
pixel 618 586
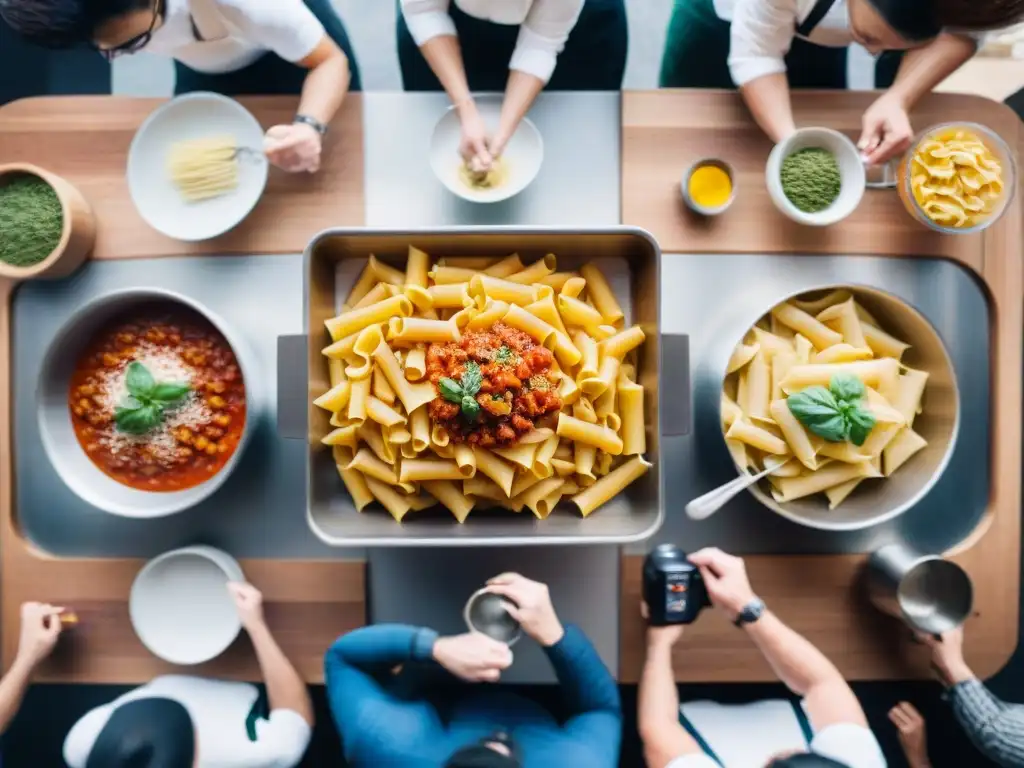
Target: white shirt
pixel 748 736
pixel 763 31
pixel 285 27
pixel 218 710
pixel 544 26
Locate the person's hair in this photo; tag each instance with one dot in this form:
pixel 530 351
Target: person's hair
pixel 806 760
pixel 63 23
pixel 979 14
pixel 145 733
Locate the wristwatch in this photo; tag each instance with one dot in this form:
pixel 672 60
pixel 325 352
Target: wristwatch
pixel 750 613
pixel 312 122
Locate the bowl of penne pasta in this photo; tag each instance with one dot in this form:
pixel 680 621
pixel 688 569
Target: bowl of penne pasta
pixel 483 386
pixel 854 390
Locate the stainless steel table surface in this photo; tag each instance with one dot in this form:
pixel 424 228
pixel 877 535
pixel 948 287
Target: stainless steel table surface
pixel 578 184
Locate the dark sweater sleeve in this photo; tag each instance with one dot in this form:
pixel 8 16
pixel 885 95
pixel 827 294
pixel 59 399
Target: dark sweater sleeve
pixel 996 728
pixel 591 694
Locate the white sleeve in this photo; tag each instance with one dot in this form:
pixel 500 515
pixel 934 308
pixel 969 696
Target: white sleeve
pixel 80 739
pixel 852 745
pixel 427 19
pixel 762 32
pixel 542 36
pixel 286 27
pixel 693 761
pixel 281 740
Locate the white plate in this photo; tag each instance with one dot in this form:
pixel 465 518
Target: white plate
pixel 180 606
pixel 522 156
pixel 193 116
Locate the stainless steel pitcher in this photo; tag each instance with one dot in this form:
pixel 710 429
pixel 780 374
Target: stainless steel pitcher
pixel 931 594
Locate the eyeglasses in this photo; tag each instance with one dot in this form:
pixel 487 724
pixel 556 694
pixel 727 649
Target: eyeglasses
pixel 135 44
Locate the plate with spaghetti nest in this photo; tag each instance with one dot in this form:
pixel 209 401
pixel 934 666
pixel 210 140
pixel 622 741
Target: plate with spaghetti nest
pixel 190 172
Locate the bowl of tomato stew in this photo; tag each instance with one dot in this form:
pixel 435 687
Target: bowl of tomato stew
pixel 144 402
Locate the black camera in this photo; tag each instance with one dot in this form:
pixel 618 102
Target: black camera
pixel 673 588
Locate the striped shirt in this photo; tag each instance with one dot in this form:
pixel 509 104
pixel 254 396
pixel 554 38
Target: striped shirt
pixel 996 728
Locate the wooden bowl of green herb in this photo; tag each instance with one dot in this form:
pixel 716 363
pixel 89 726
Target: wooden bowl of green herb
pixel 46 226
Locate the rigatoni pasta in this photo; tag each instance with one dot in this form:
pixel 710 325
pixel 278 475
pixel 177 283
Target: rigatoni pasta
pixel 475 383
pixel 831 392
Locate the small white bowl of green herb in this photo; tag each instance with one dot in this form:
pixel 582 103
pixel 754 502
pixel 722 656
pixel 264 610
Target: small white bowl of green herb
pixel 46 226
pixel 816 176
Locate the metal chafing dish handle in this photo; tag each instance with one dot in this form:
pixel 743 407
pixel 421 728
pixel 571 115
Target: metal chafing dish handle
pixel 293 387
pixel 676 408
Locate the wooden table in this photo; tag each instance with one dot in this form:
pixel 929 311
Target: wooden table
pixel 308 603
pixel 665 131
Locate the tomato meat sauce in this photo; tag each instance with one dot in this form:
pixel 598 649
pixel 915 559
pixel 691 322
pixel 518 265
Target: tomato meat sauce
pixel 157 400
pixel 504 372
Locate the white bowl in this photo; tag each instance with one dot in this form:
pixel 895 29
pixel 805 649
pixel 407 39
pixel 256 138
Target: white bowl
pixel 193 116
pixel 851 170
pixel 522 155
pixel 180 606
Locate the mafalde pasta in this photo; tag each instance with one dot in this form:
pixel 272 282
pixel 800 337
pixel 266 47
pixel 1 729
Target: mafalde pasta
pixel 818 381
pixel 471 383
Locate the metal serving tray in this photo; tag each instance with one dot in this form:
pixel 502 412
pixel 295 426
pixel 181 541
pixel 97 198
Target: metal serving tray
pixel 333 259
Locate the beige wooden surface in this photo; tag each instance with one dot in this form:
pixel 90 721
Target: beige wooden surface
pixel 308 603
pixel 663 132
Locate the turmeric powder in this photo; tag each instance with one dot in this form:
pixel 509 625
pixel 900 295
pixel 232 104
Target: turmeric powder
pixel 709 186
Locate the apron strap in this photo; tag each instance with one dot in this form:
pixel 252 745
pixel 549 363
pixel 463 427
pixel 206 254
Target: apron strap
pixel 705 747
pixel 805 723
pixel 207 23
pixel 814 18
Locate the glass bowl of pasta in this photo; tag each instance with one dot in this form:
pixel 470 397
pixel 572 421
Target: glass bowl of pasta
pixel 958 178
pixel 855 388
pixel 196 167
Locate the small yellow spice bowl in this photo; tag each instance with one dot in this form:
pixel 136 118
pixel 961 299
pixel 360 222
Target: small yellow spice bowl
pixel 709 186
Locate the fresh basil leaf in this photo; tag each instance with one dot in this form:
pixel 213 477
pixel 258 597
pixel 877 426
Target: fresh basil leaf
pixel 139 380
pixel 130 403
pixel 470 407
pixel 138 421
pixel 845 386
pixel 451 390
pixel 168 393
pixel 471 379
pixel 861 421
pixel 817 409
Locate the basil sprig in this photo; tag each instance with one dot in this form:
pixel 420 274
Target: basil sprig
pixel 837 413
pixel 143 408
pixel 463 392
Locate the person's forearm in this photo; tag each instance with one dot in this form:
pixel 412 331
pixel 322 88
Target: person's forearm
pixel 767 98
pixel 12 690
pixel 285 689
pixel 657 697
pixel 795 660
pixel 383 646
pixel 995 728
pixel 586 682
pixel 325 88
pixel 924 68
pixel 520 93
pixel 445 59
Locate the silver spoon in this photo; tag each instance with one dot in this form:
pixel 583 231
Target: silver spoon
pixel 705 506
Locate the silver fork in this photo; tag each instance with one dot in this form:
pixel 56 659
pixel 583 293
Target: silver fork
pixel 248 154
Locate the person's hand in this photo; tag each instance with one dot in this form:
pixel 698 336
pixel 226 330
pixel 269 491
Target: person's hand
pixel 725 577
pixel 886 130
pixel 40 628
pixel 248 603
pixel 660 637
pixel 532 606
pixel 473 145
pixel 294 148
pixel 473 657
pixel 948 655
pixel 913 736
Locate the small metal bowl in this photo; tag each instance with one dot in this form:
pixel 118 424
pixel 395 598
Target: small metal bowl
pixel 684 186
pixel 485 613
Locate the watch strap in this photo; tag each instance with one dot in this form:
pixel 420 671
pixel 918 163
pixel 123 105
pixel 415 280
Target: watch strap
pixel 312 122
pixel 750 613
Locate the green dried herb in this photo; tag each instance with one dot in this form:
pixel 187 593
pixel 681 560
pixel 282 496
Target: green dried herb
pixel 810 179
pixel 31 220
